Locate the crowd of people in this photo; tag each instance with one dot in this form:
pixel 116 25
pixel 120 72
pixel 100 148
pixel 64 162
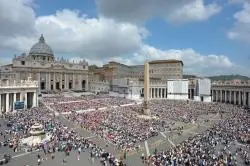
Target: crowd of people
pixel 76 106
pixel 63 139
pixel 114 101
pixel 121 126
pixel 125 128
pixel 84 102
pixel 185 111
pixel 226 143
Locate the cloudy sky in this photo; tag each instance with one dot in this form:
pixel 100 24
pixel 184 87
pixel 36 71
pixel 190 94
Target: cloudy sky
pixel 212 37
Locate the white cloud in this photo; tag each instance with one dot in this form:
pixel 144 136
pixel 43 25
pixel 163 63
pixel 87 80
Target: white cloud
pixel 68 31
pixel 195 11
pixel 16 18
pixel 89 36
pixel 194 62
pixel 241 29
pixel 97 40
pixel 170 10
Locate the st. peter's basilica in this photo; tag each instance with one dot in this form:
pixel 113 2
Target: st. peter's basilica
pixel 52 74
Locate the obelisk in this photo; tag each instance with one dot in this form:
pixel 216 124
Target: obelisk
pixel 146 109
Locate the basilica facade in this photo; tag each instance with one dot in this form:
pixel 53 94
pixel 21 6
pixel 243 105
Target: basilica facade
pixel 52 74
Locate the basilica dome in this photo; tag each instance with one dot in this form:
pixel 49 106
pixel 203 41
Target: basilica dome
pixel 41 48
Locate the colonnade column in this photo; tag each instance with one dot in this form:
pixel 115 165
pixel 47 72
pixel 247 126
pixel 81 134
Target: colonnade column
pixel 220 98
pixel 7 102
pixel 54 81
pixel 217 95
pixel 21 96
pixel 61 81
pixel 47 81
pixel 34 99
pixel 165 93
pixel 73 83
pixel 14 100
pixel 0 103
pixel 239 99
pixel 244 98
pixel 223 96
pixel 230 96
pixel 151 94
pixel 226 96
pixel 249 99
pixel 65 81
pixel 153 90
pixel 235 98
pixel 26 100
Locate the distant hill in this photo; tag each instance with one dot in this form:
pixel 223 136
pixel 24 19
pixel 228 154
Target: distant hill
pixel 229 77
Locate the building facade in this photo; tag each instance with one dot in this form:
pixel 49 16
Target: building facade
pixel 51 73
pixel 99 86
pixel 159 69
pixel 133 88
pixel 25 91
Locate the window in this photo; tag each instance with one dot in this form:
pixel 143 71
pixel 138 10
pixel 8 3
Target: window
pixel 23 62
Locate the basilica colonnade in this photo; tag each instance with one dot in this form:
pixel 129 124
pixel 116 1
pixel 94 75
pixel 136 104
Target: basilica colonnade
pixel 25 91
pixel 233 94
pixel 156 92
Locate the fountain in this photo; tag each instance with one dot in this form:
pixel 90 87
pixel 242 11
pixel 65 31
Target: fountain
pixel 37 135
pixel 37 130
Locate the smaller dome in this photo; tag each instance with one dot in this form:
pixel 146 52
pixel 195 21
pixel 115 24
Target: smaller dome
pixel 41 48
